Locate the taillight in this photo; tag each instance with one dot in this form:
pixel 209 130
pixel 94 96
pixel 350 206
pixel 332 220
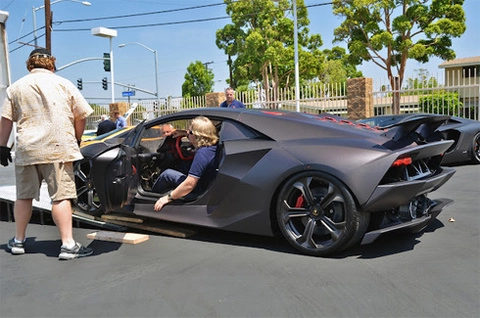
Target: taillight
pixel 402 162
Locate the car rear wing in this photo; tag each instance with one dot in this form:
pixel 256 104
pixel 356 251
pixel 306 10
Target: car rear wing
pixel 415 130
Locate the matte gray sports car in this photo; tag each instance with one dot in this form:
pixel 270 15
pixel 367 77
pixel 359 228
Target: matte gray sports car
pixel 323 183
pixel 465 133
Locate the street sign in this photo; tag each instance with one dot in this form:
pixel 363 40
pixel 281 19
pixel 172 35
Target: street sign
pixel 128 93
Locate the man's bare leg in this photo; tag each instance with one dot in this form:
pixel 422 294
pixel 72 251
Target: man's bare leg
pixel 22 212
pixel 62 216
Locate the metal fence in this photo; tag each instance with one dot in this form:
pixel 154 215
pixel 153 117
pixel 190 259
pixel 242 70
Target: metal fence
pixel 458 97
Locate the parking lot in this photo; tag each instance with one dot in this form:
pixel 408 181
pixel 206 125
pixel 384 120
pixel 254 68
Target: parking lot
pixel 220 274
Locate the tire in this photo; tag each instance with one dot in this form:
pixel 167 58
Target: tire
pixel 317 214
pixel 87 200
pixel 476 148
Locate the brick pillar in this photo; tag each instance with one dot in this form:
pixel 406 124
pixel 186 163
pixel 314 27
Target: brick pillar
pixel 214 99
pixel 359 98
pixel 120 107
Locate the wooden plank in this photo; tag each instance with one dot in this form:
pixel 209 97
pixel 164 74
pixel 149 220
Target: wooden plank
pixel 130 238
pixel 162 228
pixel 109 217
pixel 84 215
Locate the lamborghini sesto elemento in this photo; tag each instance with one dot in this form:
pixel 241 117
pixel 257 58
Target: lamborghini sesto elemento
pixel 323 183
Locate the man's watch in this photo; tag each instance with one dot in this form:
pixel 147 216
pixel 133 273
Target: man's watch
pixel 169 196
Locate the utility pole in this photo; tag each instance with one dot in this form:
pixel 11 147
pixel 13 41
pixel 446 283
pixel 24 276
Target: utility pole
pixel 206 64
pixel 48 26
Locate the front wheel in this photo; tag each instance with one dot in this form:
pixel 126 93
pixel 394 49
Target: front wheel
pixel 476 148
pixel 87 200
pixel 317 214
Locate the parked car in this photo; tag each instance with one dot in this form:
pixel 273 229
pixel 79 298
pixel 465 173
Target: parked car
pixel 323 183
pixel 465 133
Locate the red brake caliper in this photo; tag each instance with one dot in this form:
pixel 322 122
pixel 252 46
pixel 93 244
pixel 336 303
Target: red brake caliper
pixel 299 202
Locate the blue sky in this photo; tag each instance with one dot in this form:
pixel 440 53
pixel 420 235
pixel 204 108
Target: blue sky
pixel 177 44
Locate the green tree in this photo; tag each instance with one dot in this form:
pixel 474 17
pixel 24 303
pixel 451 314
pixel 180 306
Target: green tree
pixel 389 32
pixel 260 47
pixel 198 80
pixel 338 53
pixel 422 83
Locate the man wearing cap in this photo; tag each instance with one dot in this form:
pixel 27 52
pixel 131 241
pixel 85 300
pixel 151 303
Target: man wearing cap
pixel 50 115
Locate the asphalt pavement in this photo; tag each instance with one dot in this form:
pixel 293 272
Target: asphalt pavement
pixel 221 274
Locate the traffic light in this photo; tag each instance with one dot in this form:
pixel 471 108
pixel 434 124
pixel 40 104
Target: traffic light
pixel 104 83
pixel 106 62
pixel 79 84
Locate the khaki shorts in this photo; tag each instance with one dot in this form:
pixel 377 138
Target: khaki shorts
pixel 58 176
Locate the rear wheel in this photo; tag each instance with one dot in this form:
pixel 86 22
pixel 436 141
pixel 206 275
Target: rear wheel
pixel 87 200
pixel 317 214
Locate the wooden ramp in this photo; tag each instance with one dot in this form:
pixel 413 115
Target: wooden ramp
pixel 124 222
pixel 149 225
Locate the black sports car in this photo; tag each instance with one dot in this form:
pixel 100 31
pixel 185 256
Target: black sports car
pixel 465 133
pixel 322 182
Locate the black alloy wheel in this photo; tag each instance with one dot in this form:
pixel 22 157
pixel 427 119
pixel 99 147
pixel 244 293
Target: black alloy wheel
pixel 476 148
pixel 87 200
pixel 317 214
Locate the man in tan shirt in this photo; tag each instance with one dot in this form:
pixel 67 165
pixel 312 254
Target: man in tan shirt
pixel 50 115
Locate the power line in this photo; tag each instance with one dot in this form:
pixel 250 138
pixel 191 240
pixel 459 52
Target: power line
pixel 140 14
pixel 142 25
pixel 148 25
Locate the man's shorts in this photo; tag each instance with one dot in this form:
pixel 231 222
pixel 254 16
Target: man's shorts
pixel 58 176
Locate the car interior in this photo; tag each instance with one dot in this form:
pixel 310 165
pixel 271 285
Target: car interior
pixel 156 153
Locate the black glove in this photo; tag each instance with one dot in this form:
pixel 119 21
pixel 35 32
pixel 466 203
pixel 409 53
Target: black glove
pixel 5 156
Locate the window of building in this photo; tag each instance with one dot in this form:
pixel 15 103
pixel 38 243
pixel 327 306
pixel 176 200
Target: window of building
pixel 471 71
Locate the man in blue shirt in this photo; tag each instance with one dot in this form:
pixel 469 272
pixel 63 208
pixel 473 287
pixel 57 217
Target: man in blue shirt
pixel 230 100
pixel 203 136
pixel 120 122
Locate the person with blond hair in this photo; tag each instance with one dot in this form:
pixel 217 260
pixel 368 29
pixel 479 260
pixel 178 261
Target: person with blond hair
pixel 50 115
pixel 202 134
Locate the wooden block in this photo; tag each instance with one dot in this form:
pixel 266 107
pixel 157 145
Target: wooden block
pixel 121 218
pixel 129 238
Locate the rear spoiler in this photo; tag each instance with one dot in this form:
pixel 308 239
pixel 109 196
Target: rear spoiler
pixel 417 130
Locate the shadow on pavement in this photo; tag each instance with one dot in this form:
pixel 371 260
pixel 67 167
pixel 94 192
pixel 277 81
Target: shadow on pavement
pixel 388 244
pixel 51 248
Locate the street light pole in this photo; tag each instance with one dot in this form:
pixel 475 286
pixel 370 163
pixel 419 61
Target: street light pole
pixel 108 33
pixel 156 63
pixel 48 18
pixel 295 44
pixel 295 57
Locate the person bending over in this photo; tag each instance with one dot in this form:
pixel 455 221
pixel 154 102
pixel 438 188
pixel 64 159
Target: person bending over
pixel 202 134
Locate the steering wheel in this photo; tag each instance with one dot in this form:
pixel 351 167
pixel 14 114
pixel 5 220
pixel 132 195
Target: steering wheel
pixel 183 153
